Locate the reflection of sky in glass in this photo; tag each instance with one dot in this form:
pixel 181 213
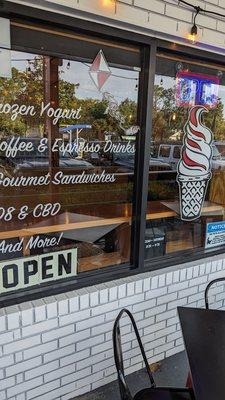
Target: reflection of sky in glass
pixel 123 85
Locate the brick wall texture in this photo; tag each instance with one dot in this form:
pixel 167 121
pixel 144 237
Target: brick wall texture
pixel 60 347
pixel 161 18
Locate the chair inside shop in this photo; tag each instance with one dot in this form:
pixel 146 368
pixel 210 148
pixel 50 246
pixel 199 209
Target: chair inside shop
pixel 152 392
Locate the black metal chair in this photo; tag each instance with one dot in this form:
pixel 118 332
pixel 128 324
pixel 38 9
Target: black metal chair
pixel 207 290
pixel 153 392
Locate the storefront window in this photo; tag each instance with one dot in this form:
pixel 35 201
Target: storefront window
pixel 68 131
pixel 185 196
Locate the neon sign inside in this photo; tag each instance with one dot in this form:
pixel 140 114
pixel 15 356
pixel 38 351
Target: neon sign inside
pixel 196 89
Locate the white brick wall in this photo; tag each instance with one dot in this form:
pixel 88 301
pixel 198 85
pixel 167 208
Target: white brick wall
pixel 160 18
pixel 59 347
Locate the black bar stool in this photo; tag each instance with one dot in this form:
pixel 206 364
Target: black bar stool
pixel 207 290
pixel 153 392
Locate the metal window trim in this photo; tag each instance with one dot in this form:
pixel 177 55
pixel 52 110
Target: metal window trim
pixel 150 46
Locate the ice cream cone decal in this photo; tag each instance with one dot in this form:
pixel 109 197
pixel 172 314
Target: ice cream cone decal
pixel 194 167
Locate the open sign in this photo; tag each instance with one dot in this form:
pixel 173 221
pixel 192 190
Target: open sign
pixel 31 271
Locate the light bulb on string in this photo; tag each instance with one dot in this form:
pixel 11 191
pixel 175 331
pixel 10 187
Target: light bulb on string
pixel 193 35
pixel 68 65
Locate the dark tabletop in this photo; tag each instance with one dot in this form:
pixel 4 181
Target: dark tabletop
pixel 204 337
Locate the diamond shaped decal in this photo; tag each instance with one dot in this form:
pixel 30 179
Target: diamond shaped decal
pixel 99 70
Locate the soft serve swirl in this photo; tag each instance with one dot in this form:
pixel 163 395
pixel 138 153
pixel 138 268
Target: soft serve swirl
pixel 196 151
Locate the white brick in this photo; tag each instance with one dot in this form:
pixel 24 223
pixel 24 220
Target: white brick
pixel 45 388
pixel 166 298
pixel 27 313
pixel 122 291
pixel 40 327
pixel 177 303
pixel 104 308
pixel 75 357
pixel 154 282
pixel 13 318
pixel 154 293
pixel 155 310
pixel 43 369
pixel 7 382
pixel 94 299
pixel 147 282
pixel 59 372
pixel 76 376
pixel 138 287
pixel 2 395
pixel 188 292
pixel 153 5
pixel 22 344
pixel 90 342
pixel 6 361
pixel 84 301
pixel 130 288
pixel 57 333
pixel 163 348
pixel 75 337
pixel 90 322
pixel 102 328
pixel 130 14
pixel 23 366
pixel 104 296
pixel 39 310
pixel 154 328
pixel 41 349
pixel 37 382
pixel 6 338
pixel 77 316
pixel 63 304
pixel 178 286
pixel 145 305
pixel 113 293
pixel 51 307
pixel 101 347
pixel 73 302
pixel 54 355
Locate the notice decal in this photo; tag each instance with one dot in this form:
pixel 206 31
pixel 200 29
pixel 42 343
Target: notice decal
pixel 215 234
pixel 35 270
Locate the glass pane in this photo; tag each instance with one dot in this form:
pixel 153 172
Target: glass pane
pixel 185 196
pixel 66 167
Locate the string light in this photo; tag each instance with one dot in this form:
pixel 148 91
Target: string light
pixel 194 30
pixel 201 10
pixel 108 3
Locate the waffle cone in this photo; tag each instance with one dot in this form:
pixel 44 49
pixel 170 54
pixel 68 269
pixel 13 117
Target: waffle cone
pixel 192 195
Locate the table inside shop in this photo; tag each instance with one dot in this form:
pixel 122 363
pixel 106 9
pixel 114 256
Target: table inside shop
pixel 100 215
pixel 204 338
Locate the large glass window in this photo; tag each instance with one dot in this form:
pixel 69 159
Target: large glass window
pixel 68 130
pixel 185 196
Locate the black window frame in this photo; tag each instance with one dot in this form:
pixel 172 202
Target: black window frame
pixel 150 47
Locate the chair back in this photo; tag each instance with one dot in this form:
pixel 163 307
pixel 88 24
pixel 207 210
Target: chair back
pixel 207 290
pixel 118 355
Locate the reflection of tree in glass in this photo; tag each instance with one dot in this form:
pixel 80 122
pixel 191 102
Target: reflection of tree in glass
pixel 26 87
pixel 168 119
